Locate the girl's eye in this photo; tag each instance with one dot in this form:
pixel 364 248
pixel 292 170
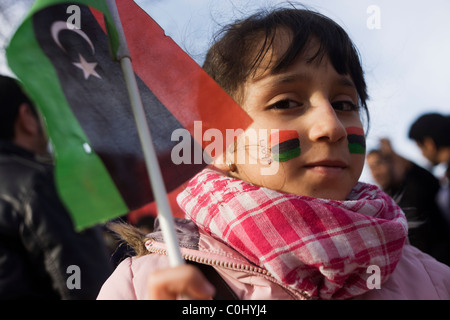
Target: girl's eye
pixel 285 104
pixel 345 106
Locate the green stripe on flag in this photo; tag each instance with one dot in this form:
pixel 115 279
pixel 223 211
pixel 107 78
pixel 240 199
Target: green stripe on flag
pixel 356 148
pixel 82 180
pixel 285 156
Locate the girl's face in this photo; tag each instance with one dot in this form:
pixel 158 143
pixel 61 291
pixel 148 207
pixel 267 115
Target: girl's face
pixel 311 107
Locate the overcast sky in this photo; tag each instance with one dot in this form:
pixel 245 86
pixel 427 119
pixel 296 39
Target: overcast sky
pixel 405 52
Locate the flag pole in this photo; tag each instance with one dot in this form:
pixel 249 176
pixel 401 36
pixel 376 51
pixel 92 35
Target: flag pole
pixel 159 190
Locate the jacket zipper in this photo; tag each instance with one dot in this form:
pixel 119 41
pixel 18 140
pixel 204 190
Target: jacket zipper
pixel 232 266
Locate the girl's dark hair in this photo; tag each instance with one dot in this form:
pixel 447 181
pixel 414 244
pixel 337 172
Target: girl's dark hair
pixel 242 47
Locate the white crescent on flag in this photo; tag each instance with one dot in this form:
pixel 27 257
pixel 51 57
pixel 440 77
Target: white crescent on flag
pixel 88 68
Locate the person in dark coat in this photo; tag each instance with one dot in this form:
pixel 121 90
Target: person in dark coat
pixel 415 190
pixel 41 255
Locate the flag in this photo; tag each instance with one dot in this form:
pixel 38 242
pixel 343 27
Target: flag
pixel 73 77
pixel 356 140
pixel 284 145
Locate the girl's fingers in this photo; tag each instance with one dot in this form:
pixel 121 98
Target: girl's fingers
pixel 183 281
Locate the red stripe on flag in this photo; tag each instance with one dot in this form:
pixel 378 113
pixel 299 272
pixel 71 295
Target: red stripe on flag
pixel 355 130
pixel 98 15
pixel 175 79
pixel 280 136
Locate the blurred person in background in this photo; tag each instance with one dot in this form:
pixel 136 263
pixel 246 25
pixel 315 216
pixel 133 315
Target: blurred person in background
pixel 39 248
pixel 431 132
pixel 415 190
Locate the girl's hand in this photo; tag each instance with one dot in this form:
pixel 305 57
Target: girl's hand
pixel 183 281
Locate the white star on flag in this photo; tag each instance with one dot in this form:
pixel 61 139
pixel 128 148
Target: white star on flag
pixel 87 67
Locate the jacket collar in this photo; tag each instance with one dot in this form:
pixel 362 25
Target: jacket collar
pixel 7 147
pixel 197 246
pixel 12 149
pixel 186 231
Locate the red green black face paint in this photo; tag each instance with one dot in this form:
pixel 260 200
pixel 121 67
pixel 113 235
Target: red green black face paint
pixel 284 145
pixel 356 140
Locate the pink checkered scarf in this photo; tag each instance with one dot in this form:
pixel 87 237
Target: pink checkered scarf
pixel 322 248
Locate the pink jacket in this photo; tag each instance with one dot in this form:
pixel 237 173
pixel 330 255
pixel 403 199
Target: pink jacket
pixel 417 276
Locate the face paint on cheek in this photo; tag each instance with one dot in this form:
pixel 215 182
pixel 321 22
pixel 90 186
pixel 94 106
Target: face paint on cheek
pixel 356 140
pixel 284 145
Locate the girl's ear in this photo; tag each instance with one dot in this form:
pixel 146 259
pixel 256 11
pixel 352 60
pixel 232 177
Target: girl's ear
pixel 220 162
pixel 226 161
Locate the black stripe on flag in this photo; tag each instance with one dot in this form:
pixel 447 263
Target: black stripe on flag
pixel 101 106
pixel 356 138
pixel 285 146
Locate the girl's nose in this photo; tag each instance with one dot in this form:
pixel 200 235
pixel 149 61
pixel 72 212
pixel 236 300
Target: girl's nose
pixel 325 125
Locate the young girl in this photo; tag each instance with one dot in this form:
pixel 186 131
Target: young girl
pixel 306 229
